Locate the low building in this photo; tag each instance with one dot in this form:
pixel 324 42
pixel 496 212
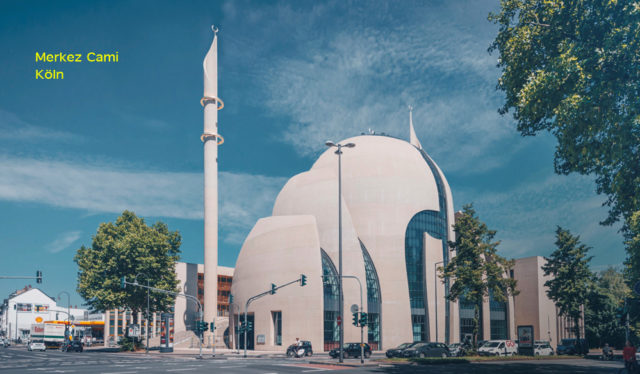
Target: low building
pixel 191 282
pixel 534 308
pixel 30 305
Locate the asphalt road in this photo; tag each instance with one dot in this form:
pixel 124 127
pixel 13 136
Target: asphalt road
pixel 19 360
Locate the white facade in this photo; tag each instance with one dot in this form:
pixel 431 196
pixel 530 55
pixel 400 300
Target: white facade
pixel 29 307
pixel 388 185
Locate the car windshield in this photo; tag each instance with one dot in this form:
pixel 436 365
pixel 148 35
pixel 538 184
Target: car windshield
pixel 454 345
pixel 491 344
pixel 403 345
pixel 418 345
pixel 568 341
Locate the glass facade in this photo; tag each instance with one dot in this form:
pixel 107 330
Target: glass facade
pixel 331 303
pixel 467 312
pixel 373 300
pixel 498 318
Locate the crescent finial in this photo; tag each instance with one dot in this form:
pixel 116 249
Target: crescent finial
pixel 214 29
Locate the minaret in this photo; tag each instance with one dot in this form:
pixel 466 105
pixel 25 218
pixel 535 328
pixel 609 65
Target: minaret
pixel 413 138
pixel 211 139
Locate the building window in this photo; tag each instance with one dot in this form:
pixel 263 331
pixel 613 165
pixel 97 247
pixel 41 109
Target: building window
pixel 467 312
pixel 277 327
pixel 330 301
pixel 373 300
pixel 497 318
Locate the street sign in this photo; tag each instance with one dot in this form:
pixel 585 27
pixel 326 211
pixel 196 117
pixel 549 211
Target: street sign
pixel 354 308
pixel 636 288
pixel 339 320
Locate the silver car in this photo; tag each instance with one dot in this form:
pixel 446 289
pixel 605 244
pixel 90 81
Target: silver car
pixel 36 346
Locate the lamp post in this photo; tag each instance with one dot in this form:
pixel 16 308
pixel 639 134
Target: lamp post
pixel 146 329
pixel 66 331
pixel 340 296
pixel 435 285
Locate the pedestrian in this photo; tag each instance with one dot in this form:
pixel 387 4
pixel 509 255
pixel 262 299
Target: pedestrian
pixel 629 357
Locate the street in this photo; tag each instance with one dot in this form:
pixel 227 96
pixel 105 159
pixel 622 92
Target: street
pixel 19 360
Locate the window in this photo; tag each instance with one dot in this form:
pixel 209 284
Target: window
pixel 373 299
pixel 277 327
pixel 498 318
pixel 331 304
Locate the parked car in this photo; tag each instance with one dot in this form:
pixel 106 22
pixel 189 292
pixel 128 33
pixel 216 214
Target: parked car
pixel 542 349
pixel 351 350
pixel 306 345
pixel 458 349
pixel 397 351
pixel 498 348
pixel 74 345
pixel 5 342
pixel 36 346
pixel 427 349
pixel 572 347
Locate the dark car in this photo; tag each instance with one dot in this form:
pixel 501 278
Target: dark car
pixel 351 350
pixel 428 349
pixel 308 350
pixel 572 347
pixel 75 345
pixel 397 351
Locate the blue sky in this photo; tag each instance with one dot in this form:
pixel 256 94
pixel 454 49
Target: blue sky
pixel 76 152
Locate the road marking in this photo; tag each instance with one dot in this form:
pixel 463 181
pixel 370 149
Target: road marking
pixel 183 369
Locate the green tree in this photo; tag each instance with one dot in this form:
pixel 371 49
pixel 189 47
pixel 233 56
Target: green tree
pixel 572 68
pixel 571 277
pixel 126 248
pixel 476 269
pixel 605 297
pixel 632 270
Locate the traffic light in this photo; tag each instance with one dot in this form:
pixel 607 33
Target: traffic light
pixel 38 276
pixel 249 326
pixel 273 289
pixel 230 299
pixel 123 282
pixel 303 280
pixel 212 326
pixel 205 326
pixel 355 319
pixel 363 319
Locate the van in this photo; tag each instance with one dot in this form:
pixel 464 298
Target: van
pixel 498 348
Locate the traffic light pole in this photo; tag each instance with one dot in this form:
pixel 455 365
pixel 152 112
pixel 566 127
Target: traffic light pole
pixel 272 291
pixel 38 277
pixel 361 324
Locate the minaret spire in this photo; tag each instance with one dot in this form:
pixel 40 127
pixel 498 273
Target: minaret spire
pixel 413 138
pixel 211 139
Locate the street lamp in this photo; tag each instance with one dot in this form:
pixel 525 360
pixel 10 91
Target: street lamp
pixel 340 298
pixel 435 285
pixel 146 329
pixel 66 332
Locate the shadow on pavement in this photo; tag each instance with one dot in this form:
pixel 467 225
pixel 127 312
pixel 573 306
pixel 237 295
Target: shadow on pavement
pixel 510 368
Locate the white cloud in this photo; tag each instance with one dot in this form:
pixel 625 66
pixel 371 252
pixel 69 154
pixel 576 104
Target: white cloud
pixel 15 129
pixel 357 77
pixel 526 216
pixel 63 241
pixel 98 188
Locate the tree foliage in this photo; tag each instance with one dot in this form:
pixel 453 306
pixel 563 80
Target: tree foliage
pixel 128 247
pixel 572 68
pixel 477 270
pixel 606 295
pixel 571 277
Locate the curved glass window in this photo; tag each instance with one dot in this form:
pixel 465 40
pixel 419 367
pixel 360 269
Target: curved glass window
pixel 373 300
pixel 331 303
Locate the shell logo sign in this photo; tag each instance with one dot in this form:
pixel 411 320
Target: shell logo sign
pixel 38 319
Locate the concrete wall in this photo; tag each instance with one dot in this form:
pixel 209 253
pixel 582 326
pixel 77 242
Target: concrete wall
pixel 278 250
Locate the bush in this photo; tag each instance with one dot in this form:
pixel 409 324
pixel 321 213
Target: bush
pixel 130 344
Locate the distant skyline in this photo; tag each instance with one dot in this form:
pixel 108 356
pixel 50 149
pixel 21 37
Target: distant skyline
pixel 113 136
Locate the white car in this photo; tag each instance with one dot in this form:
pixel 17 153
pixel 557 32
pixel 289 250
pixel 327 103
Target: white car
pixel 542 349
pixel 36 346
pixel 498 348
